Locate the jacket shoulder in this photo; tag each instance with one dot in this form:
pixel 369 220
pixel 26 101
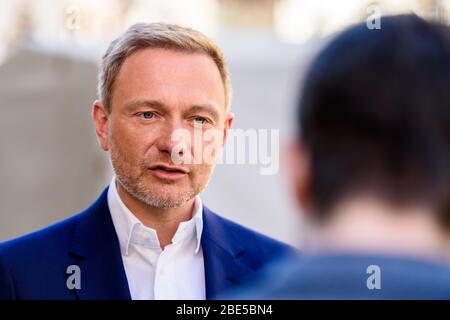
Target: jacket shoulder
pixel 31 262
pixel 54 238
pixel 50 240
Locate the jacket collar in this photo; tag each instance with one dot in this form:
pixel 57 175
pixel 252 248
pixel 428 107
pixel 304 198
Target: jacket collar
pixel 95 249
pixel 222 252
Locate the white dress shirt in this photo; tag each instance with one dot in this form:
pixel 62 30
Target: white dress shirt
pixel 177 272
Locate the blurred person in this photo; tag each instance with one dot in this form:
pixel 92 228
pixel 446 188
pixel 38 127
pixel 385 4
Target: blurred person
pixel 148 235
pixel 371 168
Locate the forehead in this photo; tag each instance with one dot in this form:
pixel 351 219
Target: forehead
pixel 171 76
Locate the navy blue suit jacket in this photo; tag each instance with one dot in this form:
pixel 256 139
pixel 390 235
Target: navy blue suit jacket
pixel 35 266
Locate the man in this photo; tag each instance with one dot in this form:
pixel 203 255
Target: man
pixel 371 167
pixel 148 236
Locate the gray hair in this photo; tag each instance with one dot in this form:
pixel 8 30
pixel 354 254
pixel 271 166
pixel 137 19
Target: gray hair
pixel 156 35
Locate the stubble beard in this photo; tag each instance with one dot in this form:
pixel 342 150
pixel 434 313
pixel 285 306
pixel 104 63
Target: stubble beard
pixel 137 188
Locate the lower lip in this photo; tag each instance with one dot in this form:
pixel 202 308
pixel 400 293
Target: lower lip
pixel 167 175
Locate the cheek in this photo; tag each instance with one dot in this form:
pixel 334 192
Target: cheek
pixel 121 133
pixel 130 141
pixel 201 174
pixel 123 143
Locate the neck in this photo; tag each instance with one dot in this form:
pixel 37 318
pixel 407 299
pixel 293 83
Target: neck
pixel 164 220
pixel 368 225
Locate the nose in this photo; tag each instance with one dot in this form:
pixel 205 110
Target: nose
pixel 174 140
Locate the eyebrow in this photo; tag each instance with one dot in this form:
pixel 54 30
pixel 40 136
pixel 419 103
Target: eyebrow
pixel 134 104
pixel 206 108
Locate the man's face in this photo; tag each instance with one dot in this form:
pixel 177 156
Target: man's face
pixel 161 99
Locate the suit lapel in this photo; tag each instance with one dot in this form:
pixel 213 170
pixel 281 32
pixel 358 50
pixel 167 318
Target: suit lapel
pixel 224 270
pixel 95 249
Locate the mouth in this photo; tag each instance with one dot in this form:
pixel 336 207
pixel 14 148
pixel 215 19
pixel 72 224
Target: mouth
pixel 168 172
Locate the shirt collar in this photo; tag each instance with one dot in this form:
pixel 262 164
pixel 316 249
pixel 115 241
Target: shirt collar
pixel 130 230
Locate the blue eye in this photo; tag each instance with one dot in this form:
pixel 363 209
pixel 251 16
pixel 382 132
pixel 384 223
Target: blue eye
pixel 199 120
pixel 147 115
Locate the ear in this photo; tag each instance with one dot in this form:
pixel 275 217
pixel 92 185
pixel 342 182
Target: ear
pixel 299 166
pixel 228 123
pixel 100 116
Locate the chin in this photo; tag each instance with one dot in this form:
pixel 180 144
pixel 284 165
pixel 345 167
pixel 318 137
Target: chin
pixel 173 196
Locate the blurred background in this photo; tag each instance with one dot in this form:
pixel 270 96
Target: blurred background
pixel 50 164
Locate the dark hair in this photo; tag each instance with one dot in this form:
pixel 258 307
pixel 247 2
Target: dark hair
pixel 374 114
